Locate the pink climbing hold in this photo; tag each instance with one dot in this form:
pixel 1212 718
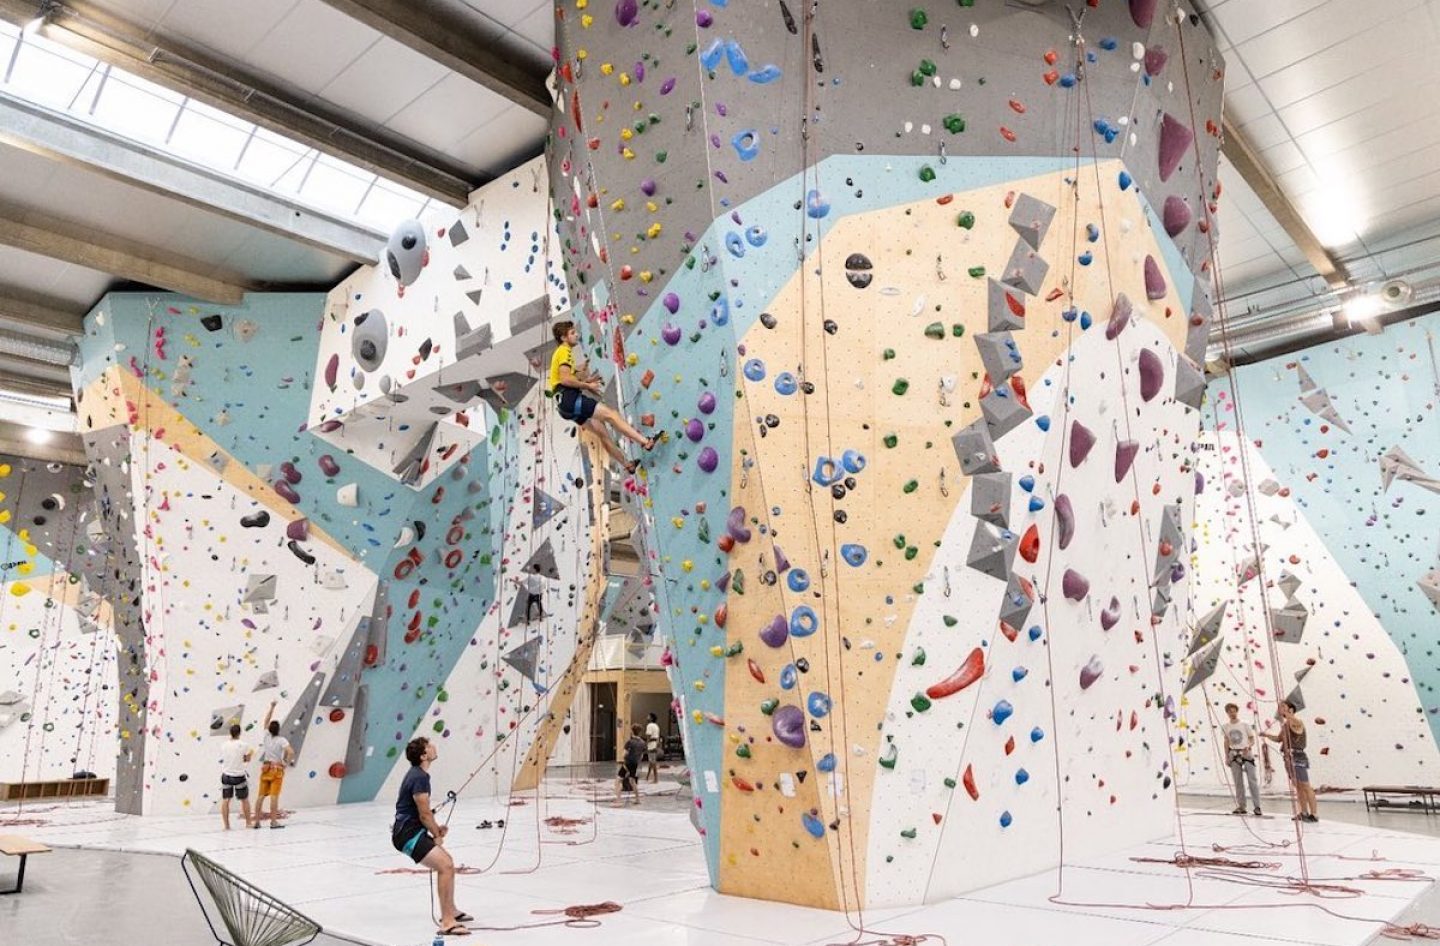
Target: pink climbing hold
pixel 1154 280
pixel 1143 12
pixel 1091 672
pixel 1064 520
pixel 1110 614
pixel 1075 585
pixel 1081 440
pixel 1119 317
pixel 1176 215
pixel 1155 59
pixel 1175 139
pixel 1125 452
pixel 1152 374
pixel 298 529
pixel 332 371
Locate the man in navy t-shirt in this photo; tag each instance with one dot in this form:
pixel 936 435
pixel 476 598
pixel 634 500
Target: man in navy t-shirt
pixel 416 834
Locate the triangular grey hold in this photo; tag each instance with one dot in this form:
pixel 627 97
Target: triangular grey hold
pixel 1209 627
pixel 457 233
pixel 411 467
pixel 529 315
pixel 1003 411
pixel 1289 622
pixel 512 386
pixel 1026 269
pixel 1002 317
pixel 1160 603
pixel 1031 218
pixel 460 272
pixel 1289 583
pixel 296 723
pixel 461 392
pixel 223 718
pixel 346 678
pixel 992 551
pixel 494 400
pixel 1189 382
pixel 975 449
pixel 999 354
pixel 1019 599
pixel 470 341
pixel 1303 672
pixel 1268 487
pixel 1248 569
pixel 525 657
pixel 259 592
pixel 359 729
pixel 218 461
pixel 1307 383
pixel 990 498
pixel 544 557
pixel 1172 536
pixel 1319 404
pixel 1203 666
pixel 474 295
pixel 1296 699
pixel 267 681
pixel 546 507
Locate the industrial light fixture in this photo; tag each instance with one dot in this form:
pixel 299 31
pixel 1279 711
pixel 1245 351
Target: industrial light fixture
pixel 1361 308
pixel 39 435
pixel 45 402
pixel 47 9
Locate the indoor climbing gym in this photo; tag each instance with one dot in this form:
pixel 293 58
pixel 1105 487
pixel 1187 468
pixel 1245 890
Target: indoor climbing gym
pixel 719 472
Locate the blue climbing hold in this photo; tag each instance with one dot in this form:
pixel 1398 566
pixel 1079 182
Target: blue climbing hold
pixel 814 825
pixel 826 763
pixel 853 461
pixel 1126 180
pixel 765 74
pixel 1085 259
pixel 1036 504
pixel 747 144
pixel 1092 232
pixel 739 62
pixel 826 471
pixel 1070 314
pixel 818 704
pixel 1043 421
pixel 1021 776
pixel 712 55
pixel 816 206
pixel 756 236
pixel 1109 43
pixel 798 580
pixel 785 383
pixel 1035 632
pixel 735 245
pixel 1086 321
pixel 789 676
pixel 755 369
pixel 803 621
pixel 1018 674
pixel 1037 734
pixel 1001 712
pixel 1005 819
pixel 1027 482
pixel 720 315
pixel 853 554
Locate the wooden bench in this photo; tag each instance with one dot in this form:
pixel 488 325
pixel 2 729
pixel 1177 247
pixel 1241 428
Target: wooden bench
pixel 16 846
pixel 57 788
pixel 1378 797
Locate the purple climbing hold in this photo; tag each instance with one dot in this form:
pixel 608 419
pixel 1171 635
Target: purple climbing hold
pixel 626 12
pixel 1175 139
pixel 671 333
pixel 735 525
pixel 1143 12
pixel 1176 215
pixel 330 426
pixel 777 632
pixel 1154 280
pixel 287 470
pixel 667 86
pixel 1075 585
pixel 1199 482
pixel 694 430
pixel 647 187
pixel 1125 452
pixel 332 371
pixel 708 460
pixel 1110 614
pixel 671 302
pixel 1064 520
pixel 298 529
pixel 1119 316
pixel 706 404
pixel 1091 672
pixel 1081 440
pixel 286 491
pixel 328 466
pixel 704 19
pixel 1152 373
pixel 788 724
pixel 782 564
pixel 1155 59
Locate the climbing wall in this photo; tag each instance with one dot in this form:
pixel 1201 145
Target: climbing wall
pixel 1342 485
pixel 915 296
pixel 301 538
pixel 58 693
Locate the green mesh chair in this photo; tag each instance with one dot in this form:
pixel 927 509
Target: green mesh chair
pixel 251 916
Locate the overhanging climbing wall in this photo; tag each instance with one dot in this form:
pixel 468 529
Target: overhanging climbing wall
pixel 344 549
pixel 916 294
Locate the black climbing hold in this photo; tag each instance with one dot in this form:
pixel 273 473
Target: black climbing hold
pixel 212 323
pixel 831 326
pixel 838 491
pixel 300 553
pixel 256 520
pixel 857 270
pixel 841 516
pixel 789 19
pixel 767 320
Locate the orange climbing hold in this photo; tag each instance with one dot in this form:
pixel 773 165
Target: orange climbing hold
pixel 971 670
pixel 744 785
pixel 1009 631
pixel 722 614
pixel 755 671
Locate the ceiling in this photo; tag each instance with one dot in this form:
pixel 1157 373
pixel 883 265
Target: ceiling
pixel 1331 177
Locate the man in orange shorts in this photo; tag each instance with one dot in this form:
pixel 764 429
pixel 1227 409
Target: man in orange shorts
pixel 275 755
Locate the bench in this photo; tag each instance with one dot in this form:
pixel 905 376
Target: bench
pixel 1418 798
pixel 56 788
pixel 16 846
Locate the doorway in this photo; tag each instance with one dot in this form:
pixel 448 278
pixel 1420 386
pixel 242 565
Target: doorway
pixel 602 721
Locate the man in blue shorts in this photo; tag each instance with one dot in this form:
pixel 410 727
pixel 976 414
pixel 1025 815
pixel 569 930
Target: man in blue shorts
pixel 576 391
pixel 416 834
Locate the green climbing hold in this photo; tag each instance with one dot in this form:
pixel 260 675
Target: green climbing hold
pixel 966 220
pixel 927 173
pixel 911 486
pixel 769 706
pixel 918 19
pixel 976 272
pixel 920 702
pixel 660 156
pixel 443 696
pixel 439 725
pixel 927 67
pixel 911 552
pixel 900 386
pixel 917 78
pixel 949 783
pixel 888 762
pixel 950 620
pixel 967 3
pixel 919 659
pixel 704 531
pixel 957 330
pixel 954 123
pixel 737 581
pixel 908 833
pixel 918 587
pixel 891 441
pixel 743 750
pixel 888 354
pixel 735 649
pixel 935 330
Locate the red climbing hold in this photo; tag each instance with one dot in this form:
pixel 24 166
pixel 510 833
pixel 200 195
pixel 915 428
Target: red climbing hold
pixel 970 671
pixel 337 769
pixel 1017 307
pixel 722 614
pixel 755 671
pixel 1011 632
pixel 1010 745
pixel 969 781
pixel 337 714
pixel 1030 544
pixel 744 785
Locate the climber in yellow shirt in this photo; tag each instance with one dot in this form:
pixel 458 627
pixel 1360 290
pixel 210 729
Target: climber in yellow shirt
pixel 573 389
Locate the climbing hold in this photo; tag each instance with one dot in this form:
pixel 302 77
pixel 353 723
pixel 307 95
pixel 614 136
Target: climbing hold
pixel 788 725
pixel 1064 520
pixel 1091 672
pixel 853 554
pixel 1001 712
pixel 1125 452
pixel 1176 215
pixel 1030 544
pixel 1143 12
pixel 968 780
pixel 776 632
pixel 369 340
pixel 1175 139
pixel 803 621
pixel 626 12
pixel 1081 440
pixel 789 676
pixel 1119 316
pixel 1075 585
pixel 1152 374
pixel 819 704
pixel 813 825
pixel 1155 287
pixel 970 671
pixel 708 460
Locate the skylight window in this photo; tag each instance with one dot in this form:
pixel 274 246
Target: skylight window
pixel 48 74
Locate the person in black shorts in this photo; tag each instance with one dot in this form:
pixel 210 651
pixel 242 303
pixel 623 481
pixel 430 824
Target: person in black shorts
pixel 630 768
pixel 576 390
pixel 416 834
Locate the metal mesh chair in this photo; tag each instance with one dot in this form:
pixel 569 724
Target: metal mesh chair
pixel 251 916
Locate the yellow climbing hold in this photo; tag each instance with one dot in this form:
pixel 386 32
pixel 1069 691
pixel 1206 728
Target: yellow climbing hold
pixel 627 154
pixel 717 651
pixel 624 78
pixel 4 469
pixel 19 589
pixel 25 568
pixel 699 686
pixel 698 716
pixel 4 516
pixel 687 566
pixel 606 69
pixel 645 274
pixel 618 204
pixel 653 231
pixel 632 359
pixel 678 522
pixel 626 134
pixel 586 20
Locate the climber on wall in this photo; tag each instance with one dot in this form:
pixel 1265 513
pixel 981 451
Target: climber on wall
pixel 573 385
pixel 416 834
pixel 1292 739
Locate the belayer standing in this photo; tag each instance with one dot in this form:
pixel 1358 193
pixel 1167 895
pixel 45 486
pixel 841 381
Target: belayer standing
pixel 576 390
pixel 416 835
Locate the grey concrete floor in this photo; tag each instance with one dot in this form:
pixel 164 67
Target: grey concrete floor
pixel 81 898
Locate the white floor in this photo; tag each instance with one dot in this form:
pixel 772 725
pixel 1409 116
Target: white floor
pixel 332 864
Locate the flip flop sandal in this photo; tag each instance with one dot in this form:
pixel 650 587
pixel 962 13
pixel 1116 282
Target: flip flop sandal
pixel 456 930
pixel 464 918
